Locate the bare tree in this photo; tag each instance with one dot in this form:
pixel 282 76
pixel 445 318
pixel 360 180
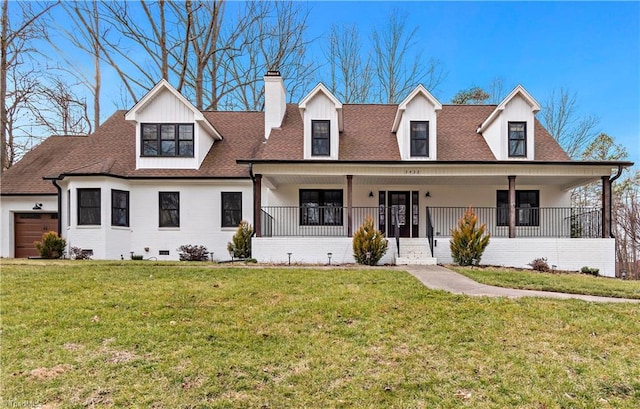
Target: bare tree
pixel 398 62
pixel 19 29
pixel 627 227
pixel 58 111
pixel 350 69
pixel 276 41
pixel 86 33
pixel 559 116
pixel 19 132
pixel 496 90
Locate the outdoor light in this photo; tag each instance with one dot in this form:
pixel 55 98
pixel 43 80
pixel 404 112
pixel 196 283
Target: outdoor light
pixel 329 255
pixel 428 194
pixel 371 193
pixel 289 254
pixel 211 255
pixel 37 206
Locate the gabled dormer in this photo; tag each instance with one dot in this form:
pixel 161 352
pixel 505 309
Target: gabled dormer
pixel 171 133
pixel 415 125
pixel 510 129
pixel 322 118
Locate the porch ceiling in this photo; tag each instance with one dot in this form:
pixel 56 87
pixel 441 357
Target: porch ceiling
pixel 566 182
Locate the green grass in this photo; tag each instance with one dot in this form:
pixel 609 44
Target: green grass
pixel 561 282
pixel 142 334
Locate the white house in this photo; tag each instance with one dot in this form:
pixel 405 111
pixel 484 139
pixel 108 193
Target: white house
pixel 306 175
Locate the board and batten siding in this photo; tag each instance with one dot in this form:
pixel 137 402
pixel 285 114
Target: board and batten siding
pixel 496 135
pixel 418 109
pixel 320 107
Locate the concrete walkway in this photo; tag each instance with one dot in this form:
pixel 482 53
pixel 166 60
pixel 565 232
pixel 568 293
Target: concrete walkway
pixel 440 278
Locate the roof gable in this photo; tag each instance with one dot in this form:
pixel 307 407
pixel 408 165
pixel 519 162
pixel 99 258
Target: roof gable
pixel 164 86
pixel 322 89
pixel 517 91
pixel 419 90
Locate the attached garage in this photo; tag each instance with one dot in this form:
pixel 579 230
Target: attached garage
pixel 29 227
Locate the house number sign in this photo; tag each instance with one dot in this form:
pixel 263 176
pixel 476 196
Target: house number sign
pixel 412 172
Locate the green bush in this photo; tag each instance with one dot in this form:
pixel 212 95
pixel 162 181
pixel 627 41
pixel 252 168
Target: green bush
pixel 591 271
pixel 369 244
pixel 51 246
pixel 240 244
pixel 468 242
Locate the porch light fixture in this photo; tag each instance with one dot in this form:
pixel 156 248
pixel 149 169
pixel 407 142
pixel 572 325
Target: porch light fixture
pixel 371 194
pixel 428 194
pixel 329 255
pixel 37 206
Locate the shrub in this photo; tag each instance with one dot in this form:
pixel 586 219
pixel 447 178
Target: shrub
pixel 193 253
pixel 468 242
pixel 369 244
pixel 51 246
pixel 240 244
pixel 591 271
pixel 77 253
pixel 540 264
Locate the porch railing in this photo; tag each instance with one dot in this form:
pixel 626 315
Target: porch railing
pixel 331 221
pixel 429 230
pixel 567 222
pixel 316 221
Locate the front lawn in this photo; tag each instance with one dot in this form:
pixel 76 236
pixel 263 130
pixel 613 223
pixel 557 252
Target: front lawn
pixel 561 282
pixel 141 334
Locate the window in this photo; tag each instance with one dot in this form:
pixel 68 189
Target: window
pixel 68 207
pixel 231 209
pixel 167 140
pixel 321 207
pixel 89 207
pixel 527 207
pixel 119 208
pixel 419 138
pixel 517 139
pixel 320 143
pixel 169 209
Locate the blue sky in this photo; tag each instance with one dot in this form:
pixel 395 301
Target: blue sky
pixel 590 48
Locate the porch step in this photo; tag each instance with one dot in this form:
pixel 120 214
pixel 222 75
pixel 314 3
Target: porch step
pixel 415 251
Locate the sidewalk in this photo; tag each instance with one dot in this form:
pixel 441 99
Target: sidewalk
pixel 440 278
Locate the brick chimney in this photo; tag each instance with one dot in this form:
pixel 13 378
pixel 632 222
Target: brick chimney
pixel 275 101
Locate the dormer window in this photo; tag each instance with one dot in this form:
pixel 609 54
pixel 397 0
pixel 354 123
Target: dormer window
pixel 420 138
pixel 320 142
pixel 517 139
pixel 167 140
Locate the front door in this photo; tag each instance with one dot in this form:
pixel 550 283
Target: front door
pixel 399 204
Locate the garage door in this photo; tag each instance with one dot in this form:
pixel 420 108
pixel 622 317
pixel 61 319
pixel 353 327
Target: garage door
pixel 29 227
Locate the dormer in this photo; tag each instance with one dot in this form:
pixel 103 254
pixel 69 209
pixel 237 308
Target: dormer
pixel 322 118
pixel 171 133
pixel 415 125
pixel 510 129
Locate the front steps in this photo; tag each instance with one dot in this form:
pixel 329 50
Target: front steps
pixel 414 251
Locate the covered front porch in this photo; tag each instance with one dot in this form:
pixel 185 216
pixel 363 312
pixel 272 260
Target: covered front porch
pixel 297 207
